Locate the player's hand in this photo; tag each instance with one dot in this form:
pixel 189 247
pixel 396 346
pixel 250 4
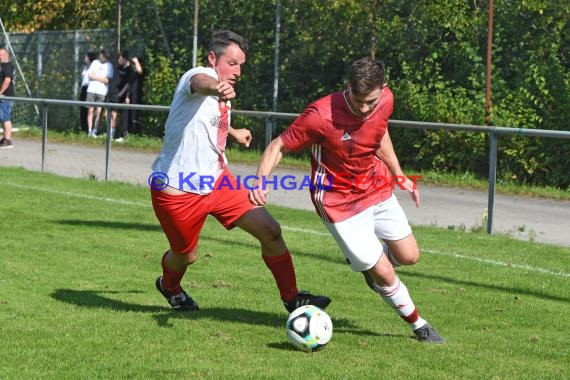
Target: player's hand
pixel 412 188
pixel 258 196
pixel 242 136
pixel 226 91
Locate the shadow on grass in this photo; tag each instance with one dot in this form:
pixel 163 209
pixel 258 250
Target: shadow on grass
pixel 204 236
pixel 491 287
pixel 111 224
pixel 162 315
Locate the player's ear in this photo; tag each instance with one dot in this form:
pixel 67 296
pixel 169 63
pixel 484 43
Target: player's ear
pixel 212 58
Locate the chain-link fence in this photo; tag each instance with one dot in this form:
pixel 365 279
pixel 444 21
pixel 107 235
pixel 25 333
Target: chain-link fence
pixel 48 65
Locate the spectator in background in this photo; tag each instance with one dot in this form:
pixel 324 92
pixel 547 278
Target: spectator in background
pixel 7 74
pixel 135 95
pixel 100 74
pixel 118 93
pixel 87 59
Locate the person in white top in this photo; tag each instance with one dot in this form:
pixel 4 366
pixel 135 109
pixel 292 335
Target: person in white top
pixel 88 58
pixel 191 179
pixel 100 74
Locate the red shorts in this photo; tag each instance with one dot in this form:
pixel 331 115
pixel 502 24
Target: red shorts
pixel 182 216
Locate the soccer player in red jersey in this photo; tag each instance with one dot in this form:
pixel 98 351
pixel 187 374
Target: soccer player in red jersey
pixel 197 128
pixel 352 164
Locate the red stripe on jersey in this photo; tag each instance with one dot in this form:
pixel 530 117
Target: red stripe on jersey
pixel 223 126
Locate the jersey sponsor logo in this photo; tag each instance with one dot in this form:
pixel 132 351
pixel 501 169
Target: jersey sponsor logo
pixel 215 122
pixel 345 137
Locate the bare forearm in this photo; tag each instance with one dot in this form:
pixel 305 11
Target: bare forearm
pixel 270 159
pixel 388 156
pixel 98 78
pixel 138 67
pixel 204 84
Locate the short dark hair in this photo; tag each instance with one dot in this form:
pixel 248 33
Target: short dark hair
pixel 220 40
pixel 124 54
pixel 365 75
pixel 105 53
pixel 91 56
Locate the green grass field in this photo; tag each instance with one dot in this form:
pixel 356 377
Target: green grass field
pixel 79 258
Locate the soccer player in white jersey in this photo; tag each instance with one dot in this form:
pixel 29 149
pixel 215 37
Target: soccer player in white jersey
pixel 353 164
pixel 193 153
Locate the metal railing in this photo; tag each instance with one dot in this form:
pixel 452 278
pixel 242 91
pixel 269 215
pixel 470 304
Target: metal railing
pixel 270 117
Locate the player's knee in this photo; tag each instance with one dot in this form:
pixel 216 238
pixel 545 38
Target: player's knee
pixel 186 258
pixel 271 232
pixel 191 258
pixel 410 260
pixel 372 283
pixel 369 281
pixel 412 257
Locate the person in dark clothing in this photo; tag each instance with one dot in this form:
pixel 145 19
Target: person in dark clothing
pixel 135 95
pixel 118 93
pixel 7 74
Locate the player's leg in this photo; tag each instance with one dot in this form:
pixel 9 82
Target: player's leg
pixel 357 238
pixel 402 252
pixel 261 225
pixel 391 225
pixel 232 208
pixel 384 281
pixel 182 217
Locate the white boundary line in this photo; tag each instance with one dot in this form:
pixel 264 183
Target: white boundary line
pixel 497 263
pixel 77 195
pixel 301 230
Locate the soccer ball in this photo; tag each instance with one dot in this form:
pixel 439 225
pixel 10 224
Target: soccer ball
pixel 309 328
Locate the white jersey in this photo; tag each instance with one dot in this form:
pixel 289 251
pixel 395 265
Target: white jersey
pixel 195 138
pixel 102 70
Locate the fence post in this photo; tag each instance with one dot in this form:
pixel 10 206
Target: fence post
pixel 77 59
pixel 268 129
pixel 492 180
pixel 39 64
pixel 44 133
pixel 108 143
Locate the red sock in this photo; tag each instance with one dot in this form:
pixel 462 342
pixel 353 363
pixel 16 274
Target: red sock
pixel 284 273
pixel 171 279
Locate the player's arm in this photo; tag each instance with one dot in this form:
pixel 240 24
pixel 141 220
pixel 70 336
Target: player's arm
pixel 204 84
pixel 388 156
pixel 269 161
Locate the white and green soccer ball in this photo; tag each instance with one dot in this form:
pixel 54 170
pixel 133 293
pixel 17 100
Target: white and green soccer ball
pixel 309 328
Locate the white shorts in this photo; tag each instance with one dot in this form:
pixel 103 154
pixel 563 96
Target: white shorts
pixel 358 236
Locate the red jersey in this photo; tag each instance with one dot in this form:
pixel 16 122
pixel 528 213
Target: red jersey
pixel 346 173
